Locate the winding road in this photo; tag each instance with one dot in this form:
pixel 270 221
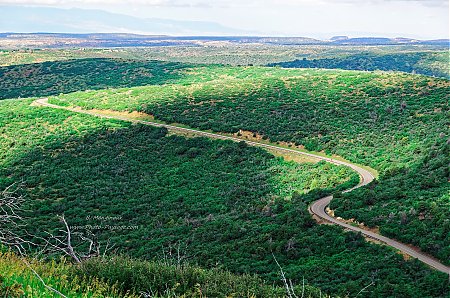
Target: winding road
pixel 317 208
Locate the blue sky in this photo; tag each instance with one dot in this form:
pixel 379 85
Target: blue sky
pixel 426 19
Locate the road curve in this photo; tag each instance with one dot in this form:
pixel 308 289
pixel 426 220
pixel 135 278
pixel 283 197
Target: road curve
pixel 317 207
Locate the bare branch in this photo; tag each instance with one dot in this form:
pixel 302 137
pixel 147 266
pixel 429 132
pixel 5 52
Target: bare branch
pixel 176 254
pixel 363 289
pixel 11 202
pixel 288 285
pixel 71 243
pixel 42 281
pixel 303 287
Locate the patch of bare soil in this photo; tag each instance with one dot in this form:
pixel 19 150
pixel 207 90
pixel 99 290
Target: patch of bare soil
pixel 293 157
pixel 253 136
pixel 354 222
pixel 132 115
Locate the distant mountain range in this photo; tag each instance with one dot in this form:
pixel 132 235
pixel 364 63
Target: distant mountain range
pixel 74 28
pixel 344 40
pixel 105 40
pixel 74 20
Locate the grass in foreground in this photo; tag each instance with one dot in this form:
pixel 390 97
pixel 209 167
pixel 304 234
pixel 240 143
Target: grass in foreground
pixel 123 277
pixel 18 280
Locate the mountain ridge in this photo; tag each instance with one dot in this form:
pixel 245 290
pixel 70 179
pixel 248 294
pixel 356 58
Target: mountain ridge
pixel 77 20
pixel 11 40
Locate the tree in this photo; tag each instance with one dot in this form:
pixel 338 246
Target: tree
pixel 11 201
pixel 85 247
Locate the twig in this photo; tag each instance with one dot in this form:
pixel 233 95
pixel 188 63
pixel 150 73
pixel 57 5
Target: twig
pixel 42 281
pixel 303 287
pixel 289 287
pixel 362 290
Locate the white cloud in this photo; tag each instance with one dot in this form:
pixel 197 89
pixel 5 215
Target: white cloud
pixel 112 2
pixel 315 18
pixel 211 3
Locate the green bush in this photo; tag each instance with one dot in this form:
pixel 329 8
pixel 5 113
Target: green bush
pixel 161 280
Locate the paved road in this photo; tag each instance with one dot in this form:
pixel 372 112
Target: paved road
pixel 317 208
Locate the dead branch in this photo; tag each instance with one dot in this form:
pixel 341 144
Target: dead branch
pixel 41 280
pixel 287 284
pixel 62 243
pixel 11 202
pixel 363 289
pixel 175 254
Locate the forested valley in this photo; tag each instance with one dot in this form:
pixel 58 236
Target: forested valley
pixel 228 207
pixel 392 122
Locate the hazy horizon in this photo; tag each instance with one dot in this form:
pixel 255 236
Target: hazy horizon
pixel 423 19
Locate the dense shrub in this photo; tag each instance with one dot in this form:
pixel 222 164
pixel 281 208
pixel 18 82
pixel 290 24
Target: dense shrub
pixel 17 280
pixel 162 279
pixel 50 78
pixel 416 62
pixel 230 206
pixel 390 122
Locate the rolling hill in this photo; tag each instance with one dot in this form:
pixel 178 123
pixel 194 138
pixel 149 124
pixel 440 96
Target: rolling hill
pixel 226 204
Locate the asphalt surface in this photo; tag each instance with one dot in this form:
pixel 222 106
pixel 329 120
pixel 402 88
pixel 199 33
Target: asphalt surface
pixel 317 207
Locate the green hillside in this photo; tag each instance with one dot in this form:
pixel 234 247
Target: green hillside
pixel 52 78
pixel 426 63
pixel 225 204
pixel 422 59
pixel 395 123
